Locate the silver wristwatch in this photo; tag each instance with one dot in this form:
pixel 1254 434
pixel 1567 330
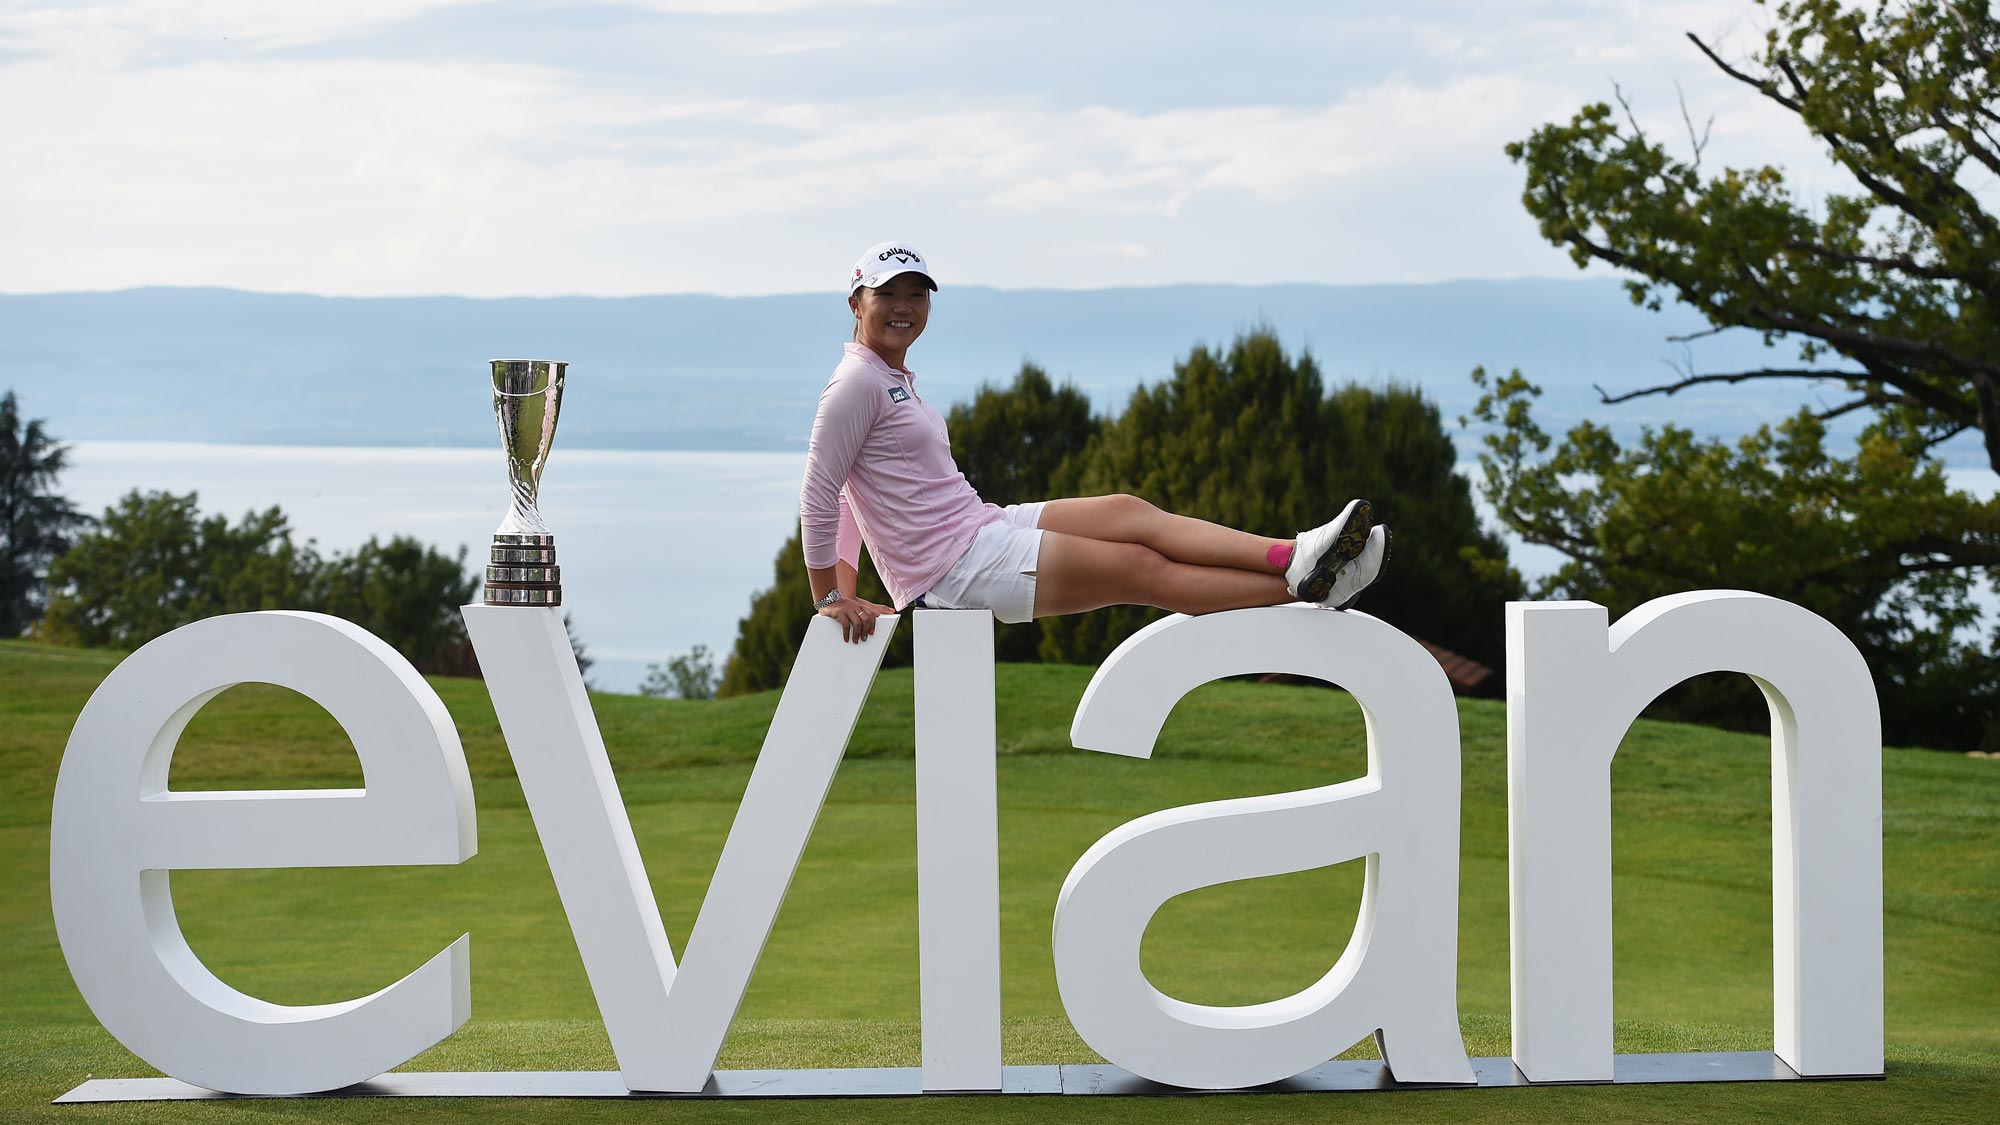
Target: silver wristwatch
pixel 831 597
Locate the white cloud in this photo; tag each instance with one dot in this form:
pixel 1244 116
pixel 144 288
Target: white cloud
pixel 752 7
pixel 120 33
pixel 289 170
pixel 359 175
pixel 1111 160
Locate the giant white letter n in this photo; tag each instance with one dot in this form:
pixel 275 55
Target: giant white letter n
pixel 1573 687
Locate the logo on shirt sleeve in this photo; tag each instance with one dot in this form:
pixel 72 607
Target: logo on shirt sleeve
pixel 898 394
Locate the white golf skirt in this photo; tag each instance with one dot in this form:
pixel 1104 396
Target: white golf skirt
pixel 997 571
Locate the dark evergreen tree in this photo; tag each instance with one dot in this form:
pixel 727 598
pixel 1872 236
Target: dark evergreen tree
pixel 1249 438
pixel 1448 579
pixel 768 638
pixel 36 525
pixel 1011 441
pixel 1013 444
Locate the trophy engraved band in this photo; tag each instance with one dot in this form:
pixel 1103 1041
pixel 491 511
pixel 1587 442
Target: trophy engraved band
pixel 527 397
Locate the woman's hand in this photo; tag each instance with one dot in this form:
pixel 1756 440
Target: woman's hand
pixel 856 616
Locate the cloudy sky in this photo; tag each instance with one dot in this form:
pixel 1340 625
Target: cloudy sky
pixel 490 147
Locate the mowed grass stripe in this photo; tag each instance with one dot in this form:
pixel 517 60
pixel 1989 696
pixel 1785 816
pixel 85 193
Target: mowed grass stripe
pixel 837 983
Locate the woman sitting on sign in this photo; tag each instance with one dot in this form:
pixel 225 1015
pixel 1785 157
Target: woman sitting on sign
pixel 879 470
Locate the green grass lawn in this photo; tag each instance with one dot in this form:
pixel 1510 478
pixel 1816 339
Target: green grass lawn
pixel 837 985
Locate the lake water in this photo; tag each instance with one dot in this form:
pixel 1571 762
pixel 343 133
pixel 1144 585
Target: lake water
pixel 660 551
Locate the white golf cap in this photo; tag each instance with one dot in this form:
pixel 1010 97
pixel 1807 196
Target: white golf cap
pixel 885 260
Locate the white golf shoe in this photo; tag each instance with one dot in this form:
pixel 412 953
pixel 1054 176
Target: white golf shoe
pixel 1322 552
pixel 1356 576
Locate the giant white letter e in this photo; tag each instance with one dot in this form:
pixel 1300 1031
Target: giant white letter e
pixel 117 831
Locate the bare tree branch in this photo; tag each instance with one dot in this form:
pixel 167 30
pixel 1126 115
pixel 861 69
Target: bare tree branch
pixel 1936 118
pixel 1863 403
pixel 1842 146
pixel 1900 263
pixel 1875 341
pixel 1763 86
pixel 1689 336
pixel 1979 126
pixel 1931 441
pixel 1877 143
pixel 1576 547
pixel 1856 340
pixel 1987 396
pixel 1967 141
pixel 1608 399
pixel 1971 556
pixel 1637 133
pixel 1973 49
pixel 1694 142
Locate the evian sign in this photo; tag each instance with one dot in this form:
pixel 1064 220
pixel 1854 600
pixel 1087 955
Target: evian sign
pixel 1575 683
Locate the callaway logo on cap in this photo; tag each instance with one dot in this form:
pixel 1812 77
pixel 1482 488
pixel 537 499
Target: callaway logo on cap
pixel 885 260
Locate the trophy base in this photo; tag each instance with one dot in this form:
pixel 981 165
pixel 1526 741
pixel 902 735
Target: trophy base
pixel 523 595
pixel 522 571
pixel 524 575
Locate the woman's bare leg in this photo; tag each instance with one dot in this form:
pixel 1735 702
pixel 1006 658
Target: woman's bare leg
pixel 1129 519
pixel 1076 573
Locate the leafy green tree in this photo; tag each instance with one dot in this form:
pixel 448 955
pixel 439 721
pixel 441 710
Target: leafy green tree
pixel 1010 442
pixel 153 563
pixel 36 525
pixel 1857 541
pixel 689 675
pixel 1250 438
pixel 404 591
pixel 1900 280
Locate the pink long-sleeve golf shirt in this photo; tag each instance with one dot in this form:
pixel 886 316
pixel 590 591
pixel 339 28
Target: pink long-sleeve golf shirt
pixel 879 469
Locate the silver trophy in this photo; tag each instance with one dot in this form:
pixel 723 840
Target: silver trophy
pixel 527 396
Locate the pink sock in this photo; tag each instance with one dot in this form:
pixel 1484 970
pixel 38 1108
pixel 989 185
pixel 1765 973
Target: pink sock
pixel 1280 556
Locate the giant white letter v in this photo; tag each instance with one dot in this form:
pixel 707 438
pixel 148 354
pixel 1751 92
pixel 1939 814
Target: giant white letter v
pixel 666 1027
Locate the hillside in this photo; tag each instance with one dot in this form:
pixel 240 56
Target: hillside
pixel 837 984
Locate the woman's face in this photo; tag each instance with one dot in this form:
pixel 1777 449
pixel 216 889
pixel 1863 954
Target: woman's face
pixel 891 317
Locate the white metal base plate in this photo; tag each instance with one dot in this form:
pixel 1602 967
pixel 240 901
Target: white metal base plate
pixel 907 1081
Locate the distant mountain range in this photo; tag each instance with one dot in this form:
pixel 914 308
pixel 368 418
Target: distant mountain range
pixel 705 372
